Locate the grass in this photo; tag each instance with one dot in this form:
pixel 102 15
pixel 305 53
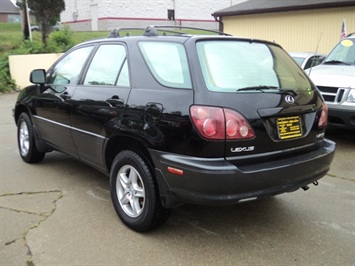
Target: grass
pixel 10 36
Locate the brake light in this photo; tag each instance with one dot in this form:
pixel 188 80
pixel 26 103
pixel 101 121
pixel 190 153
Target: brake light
pixel 237 127
pixel 323 120
pixel 217 123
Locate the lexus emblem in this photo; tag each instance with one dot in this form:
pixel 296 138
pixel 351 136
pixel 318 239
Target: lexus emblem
pixel 289 99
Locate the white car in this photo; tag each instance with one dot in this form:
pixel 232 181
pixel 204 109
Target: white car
pixel 307 60
pixel 335 78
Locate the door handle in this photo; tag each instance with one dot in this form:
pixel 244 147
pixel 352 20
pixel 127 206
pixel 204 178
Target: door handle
pixel 65 95
pixel 114 101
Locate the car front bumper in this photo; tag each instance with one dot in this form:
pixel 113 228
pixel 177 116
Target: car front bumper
pixel 208 181
pixel 341 118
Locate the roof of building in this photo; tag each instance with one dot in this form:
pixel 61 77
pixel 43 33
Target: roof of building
pixel 267 6
pixel 8 7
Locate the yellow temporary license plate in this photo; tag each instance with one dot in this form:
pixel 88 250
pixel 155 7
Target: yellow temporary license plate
pixel 289 127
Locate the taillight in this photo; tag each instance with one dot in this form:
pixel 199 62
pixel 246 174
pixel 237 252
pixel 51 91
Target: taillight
pixel 219 123
pixel 237 127
pixel 209 121
pixel 323 120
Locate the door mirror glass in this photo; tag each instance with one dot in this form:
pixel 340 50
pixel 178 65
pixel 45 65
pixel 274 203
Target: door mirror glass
pixel 38 76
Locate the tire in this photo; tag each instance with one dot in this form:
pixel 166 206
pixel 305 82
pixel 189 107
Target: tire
pixel 26 140
pixel 134 193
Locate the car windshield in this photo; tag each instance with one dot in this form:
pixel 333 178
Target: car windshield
pixel 299 60
pixel 230 65
pixel 343 53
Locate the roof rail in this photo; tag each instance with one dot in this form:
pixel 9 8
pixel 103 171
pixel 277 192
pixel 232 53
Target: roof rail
pixel 153 30
pixel 350 34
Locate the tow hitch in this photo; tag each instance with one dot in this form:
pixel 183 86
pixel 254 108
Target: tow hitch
pixel 305 188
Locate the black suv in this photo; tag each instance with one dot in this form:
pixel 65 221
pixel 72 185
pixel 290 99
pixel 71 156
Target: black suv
pixel 175 118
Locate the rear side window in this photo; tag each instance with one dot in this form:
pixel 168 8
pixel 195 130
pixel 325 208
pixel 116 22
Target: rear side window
pixel 167 62
pixel 108 67
pixel 229 66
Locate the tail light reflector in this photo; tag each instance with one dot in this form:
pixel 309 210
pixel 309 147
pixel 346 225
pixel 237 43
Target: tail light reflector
pixel 175 171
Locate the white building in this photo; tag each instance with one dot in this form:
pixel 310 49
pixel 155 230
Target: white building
pixel 109 14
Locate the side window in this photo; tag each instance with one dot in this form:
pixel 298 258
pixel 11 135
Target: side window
pixel 314 61
pixel 108 67
pixel 68 69
pixel 311 62
pixel 123 79
pixel 168 63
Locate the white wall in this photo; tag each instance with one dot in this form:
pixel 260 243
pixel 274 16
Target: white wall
pixel 134 13
pixel 22 65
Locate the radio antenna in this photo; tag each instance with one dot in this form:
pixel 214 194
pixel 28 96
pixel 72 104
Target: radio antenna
pixel 320 37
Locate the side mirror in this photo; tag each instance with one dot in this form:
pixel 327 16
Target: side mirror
pixel 38 76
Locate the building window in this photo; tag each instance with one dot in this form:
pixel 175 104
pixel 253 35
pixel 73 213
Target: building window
pixel 13 18
pixel 171 14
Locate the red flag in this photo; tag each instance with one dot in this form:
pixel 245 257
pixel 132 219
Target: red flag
pixel 343 30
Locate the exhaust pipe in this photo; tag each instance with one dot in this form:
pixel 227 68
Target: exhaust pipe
pixel 305 188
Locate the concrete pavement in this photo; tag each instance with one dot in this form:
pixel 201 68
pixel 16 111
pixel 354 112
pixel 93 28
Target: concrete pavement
pixel 59 212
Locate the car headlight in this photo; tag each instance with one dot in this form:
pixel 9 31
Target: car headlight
pixel 351 96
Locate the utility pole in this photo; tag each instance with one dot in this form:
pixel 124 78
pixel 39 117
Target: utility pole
pixel 26 21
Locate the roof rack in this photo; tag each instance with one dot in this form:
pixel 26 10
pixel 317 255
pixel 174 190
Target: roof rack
pixel 153 30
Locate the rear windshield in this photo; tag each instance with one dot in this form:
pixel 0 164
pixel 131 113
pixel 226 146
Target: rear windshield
pixel 229 65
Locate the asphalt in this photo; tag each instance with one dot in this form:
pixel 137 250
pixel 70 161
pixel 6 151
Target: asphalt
pixel 59 212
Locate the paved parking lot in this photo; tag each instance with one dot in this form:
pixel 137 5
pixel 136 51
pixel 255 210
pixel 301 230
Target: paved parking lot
pixel 59 212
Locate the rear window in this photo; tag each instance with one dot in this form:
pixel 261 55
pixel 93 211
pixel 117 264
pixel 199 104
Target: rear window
pixel 167 62
pixel 229 65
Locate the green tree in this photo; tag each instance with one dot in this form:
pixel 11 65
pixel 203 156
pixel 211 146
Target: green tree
pixel 46 13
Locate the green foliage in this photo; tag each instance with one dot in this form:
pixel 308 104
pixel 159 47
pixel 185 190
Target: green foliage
pixel 62 40
pixel 10 27
pixel 25 47
pixel 6 83
pixel 10 34
pixel 45 11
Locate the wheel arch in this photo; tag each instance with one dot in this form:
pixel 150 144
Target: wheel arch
pixel 120 143
pixel 19 109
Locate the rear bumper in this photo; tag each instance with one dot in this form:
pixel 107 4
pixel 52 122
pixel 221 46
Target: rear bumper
pixel 218 182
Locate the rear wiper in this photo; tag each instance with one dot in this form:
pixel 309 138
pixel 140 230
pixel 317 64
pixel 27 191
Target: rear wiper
pixel 263 88
pixel 335 62
pixel 258 88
